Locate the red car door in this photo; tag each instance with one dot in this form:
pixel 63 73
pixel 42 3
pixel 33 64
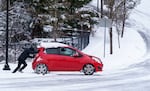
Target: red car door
pixel 68 61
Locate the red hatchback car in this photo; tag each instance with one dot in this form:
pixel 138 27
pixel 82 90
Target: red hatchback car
pixel 61 57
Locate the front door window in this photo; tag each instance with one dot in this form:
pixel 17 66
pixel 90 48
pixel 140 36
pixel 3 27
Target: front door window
pixel 67 51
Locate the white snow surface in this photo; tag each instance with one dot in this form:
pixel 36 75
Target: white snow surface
pixel 126 70
pixel 51 44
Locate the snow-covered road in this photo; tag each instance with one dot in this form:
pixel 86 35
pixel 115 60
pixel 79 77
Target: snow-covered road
pixel 133 79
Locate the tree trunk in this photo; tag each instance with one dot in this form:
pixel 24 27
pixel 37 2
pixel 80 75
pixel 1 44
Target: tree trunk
pixel 101 8
pixel 124 18
pixel 111 41
pixel 55 25
pixel 111 3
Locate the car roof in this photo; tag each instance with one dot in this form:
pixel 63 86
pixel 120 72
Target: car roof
pixel 52 45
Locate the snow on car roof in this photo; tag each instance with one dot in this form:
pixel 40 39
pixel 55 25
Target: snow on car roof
pixel 52 44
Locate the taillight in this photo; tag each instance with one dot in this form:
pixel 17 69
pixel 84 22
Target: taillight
pixel 39 59
pixel 36 56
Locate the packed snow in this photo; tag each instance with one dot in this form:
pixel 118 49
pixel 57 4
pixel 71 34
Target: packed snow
pixel 51 44
pixel 126 70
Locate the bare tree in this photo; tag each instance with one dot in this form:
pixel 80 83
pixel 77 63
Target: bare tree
pixel 118 12
pixel 128 5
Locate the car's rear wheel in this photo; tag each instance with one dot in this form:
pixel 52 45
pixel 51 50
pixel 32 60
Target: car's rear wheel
pixel 41 69
pixel 88 69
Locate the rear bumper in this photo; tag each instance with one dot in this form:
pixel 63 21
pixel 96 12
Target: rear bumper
pixel 33 65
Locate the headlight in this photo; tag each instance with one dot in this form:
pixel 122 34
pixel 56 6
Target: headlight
pixel 97 59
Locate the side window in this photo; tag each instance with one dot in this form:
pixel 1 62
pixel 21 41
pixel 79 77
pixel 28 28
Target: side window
pixel 51 51
pixel 67 51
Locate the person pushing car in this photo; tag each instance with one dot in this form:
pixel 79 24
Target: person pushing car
pixel 23 56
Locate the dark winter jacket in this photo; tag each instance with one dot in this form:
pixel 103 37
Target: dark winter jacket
pixel 26 53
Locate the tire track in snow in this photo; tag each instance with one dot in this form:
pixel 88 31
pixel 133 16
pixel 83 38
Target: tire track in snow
pixel 144 34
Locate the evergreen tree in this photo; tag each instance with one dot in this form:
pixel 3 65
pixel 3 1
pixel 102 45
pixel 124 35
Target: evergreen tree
pixel 62 13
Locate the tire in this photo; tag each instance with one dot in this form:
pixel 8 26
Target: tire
pixel 41 69
pixel 88 69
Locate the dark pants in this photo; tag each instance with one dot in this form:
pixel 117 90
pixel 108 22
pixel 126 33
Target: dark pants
pixel 19 65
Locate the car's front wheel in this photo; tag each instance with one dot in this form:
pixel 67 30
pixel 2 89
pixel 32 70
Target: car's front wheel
pixel 88 69
pixel 41 69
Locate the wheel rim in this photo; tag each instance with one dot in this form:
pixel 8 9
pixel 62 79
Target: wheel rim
pixel 41 69
pixel 88 69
